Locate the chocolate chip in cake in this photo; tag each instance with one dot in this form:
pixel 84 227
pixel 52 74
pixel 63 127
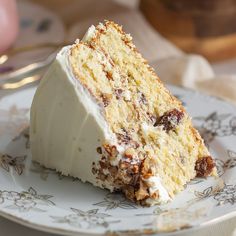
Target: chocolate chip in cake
pixel 170 119
pixel 204 166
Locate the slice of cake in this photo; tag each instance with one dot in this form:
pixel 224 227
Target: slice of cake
pixel 101 114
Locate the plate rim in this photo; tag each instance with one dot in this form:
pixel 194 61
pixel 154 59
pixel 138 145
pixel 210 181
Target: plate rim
pixel 69 232
pixel 139 232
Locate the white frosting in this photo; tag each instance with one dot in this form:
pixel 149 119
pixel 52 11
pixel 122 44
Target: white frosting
pixel 147 128
pixel 66 123
pixel 127 95
pixel 89 34
pixel 155 186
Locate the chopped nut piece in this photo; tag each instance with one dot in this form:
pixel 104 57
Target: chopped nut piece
pixel 113 170
pixel 170 119
pixel 124 137
pixel 135 180
pixel 109 75
pixel 102 177
pixel 124 165
pixel 142 193
pixel 129 153
pixel 135 169
pixel 111 150
pixel 204 166
pixel 129 192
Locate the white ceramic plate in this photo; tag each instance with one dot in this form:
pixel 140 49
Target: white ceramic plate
pixel 41 198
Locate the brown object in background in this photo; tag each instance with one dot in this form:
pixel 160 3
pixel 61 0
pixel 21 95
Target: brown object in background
pixel 207 27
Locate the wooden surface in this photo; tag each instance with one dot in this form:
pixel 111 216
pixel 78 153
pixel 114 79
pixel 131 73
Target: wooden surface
pixel 207 27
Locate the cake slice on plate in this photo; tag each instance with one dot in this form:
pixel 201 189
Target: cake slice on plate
pixel 101 114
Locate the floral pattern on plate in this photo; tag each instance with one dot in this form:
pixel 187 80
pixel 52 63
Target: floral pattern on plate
pixel 115 200
pixel 25 201
pixel 8 162
pixel 85 219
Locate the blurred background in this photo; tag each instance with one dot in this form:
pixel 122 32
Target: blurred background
pixel 196 39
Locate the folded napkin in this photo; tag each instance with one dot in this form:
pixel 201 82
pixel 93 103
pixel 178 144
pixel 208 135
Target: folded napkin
pixel 171 64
